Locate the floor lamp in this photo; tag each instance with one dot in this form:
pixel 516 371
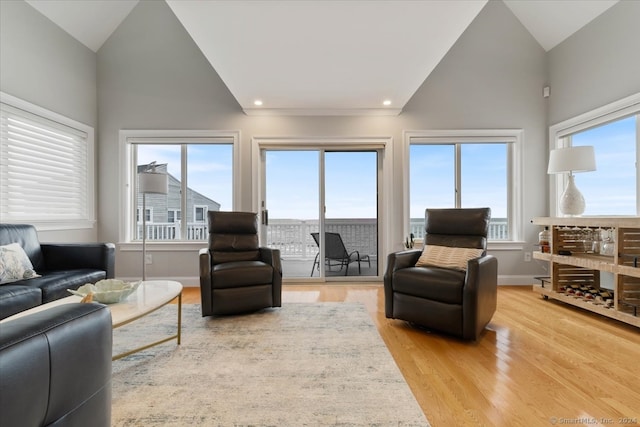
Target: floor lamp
pixel 572 159
pixel 149 182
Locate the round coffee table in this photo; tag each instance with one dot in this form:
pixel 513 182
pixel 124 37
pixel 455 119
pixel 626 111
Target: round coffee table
pixel 149 297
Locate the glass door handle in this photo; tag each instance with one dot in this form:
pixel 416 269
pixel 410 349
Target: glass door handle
pixel 265 217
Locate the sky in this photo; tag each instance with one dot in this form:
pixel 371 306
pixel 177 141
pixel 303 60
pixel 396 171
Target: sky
pixel 293 184
pixel 210 168
pixel 611 188
pixel 350 178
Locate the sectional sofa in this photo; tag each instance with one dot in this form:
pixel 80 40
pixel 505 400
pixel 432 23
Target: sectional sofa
pixel 56 268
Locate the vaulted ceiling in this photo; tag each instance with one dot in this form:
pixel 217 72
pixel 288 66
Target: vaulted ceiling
pixel 324 57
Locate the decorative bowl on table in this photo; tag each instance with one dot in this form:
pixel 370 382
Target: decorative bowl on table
pixel 108 291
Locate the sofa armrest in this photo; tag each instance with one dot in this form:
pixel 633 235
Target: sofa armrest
pixel 479 295
pixel 55 367
pixel 69 256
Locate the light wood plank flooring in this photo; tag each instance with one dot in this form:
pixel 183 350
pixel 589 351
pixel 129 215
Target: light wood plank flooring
pixel 540 363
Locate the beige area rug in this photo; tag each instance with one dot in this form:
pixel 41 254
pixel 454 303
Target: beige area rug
pixel 299 365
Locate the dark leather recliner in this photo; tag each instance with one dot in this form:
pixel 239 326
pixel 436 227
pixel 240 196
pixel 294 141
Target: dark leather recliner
pixel 236 275
pixel 456 302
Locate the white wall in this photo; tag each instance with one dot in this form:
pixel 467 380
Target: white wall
pixel 492 78
pixel 42 64
pixel 597 65
pixel 152 76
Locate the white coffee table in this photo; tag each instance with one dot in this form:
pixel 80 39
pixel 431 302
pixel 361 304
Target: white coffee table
pixel 149 297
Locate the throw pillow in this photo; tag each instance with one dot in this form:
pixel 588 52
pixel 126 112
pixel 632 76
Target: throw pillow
pixel 447 257
pixel 15 264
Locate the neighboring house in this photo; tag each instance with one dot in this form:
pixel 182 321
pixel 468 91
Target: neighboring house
pixel 166 208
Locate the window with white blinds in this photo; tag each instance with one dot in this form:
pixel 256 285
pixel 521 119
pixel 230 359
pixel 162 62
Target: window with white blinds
pixel 45 168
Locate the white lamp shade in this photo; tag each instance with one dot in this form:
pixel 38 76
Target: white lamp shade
pixel 153 183
pixel 572 159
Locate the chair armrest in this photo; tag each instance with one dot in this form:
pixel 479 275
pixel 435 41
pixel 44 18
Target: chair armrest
pixel 69 256
pixel 272 257
pixel 402 259
pixel 396 261
pixel 204 259
pixel 479 295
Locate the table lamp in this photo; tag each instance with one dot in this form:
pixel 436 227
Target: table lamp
pixel 572 159
pixel 149 182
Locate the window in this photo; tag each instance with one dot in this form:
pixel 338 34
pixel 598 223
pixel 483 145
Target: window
pixel 45 168
pixel 465 169
pixel 173 215
pixel 614 187
pixel 200 213
pixel 148 214
pixel 200 168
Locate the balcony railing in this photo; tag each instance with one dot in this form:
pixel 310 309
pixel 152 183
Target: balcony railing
pixel 498 228
pixel 171 231
pixel 293 237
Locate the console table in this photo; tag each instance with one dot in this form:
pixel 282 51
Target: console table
pixel 575 266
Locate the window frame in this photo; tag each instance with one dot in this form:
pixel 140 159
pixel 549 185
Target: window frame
pixel 130 138
pixel 514 139
pixel 204 212
pixel 177 217
pixel 560 136
pixel 88 220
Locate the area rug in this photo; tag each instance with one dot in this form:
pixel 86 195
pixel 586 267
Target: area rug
pixel 299 365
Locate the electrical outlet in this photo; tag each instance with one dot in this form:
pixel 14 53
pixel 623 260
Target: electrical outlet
pixel 148 259
pixel 527 257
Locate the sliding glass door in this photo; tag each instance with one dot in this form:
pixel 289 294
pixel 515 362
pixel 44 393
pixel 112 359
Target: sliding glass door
pixel 320 208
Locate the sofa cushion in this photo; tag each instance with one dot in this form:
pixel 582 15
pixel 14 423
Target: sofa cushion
pixel 27 236
pixel 54 284
pixel 15 264
pixel 433 283
pixel 16 298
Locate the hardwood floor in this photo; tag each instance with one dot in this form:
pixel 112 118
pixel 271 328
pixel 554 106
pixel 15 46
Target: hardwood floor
pixel 540 363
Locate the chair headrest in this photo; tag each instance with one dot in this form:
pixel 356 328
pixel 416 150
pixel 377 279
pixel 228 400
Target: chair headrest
pixel 227 222
pixel 464 221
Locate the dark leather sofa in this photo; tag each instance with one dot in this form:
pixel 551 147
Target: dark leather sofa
pixel 61 266
pixel 55 368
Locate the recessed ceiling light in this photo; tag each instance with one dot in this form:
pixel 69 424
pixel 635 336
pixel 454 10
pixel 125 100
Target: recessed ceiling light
pixel 386 102
pixel 257 102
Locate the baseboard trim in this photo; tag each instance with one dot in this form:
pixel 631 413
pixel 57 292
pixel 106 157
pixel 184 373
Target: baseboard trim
pixel 517 280
pixel 189 282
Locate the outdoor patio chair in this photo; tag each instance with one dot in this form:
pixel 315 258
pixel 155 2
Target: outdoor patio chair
pixel 336 253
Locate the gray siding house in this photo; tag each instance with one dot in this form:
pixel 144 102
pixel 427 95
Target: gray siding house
pixel 164 213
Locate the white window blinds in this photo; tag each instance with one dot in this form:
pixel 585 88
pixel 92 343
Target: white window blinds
pixel 43 168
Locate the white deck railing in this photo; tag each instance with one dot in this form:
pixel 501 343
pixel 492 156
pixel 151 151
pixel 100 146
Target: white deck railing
pixel 171 231
pixel 293 237
pixel 498 229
